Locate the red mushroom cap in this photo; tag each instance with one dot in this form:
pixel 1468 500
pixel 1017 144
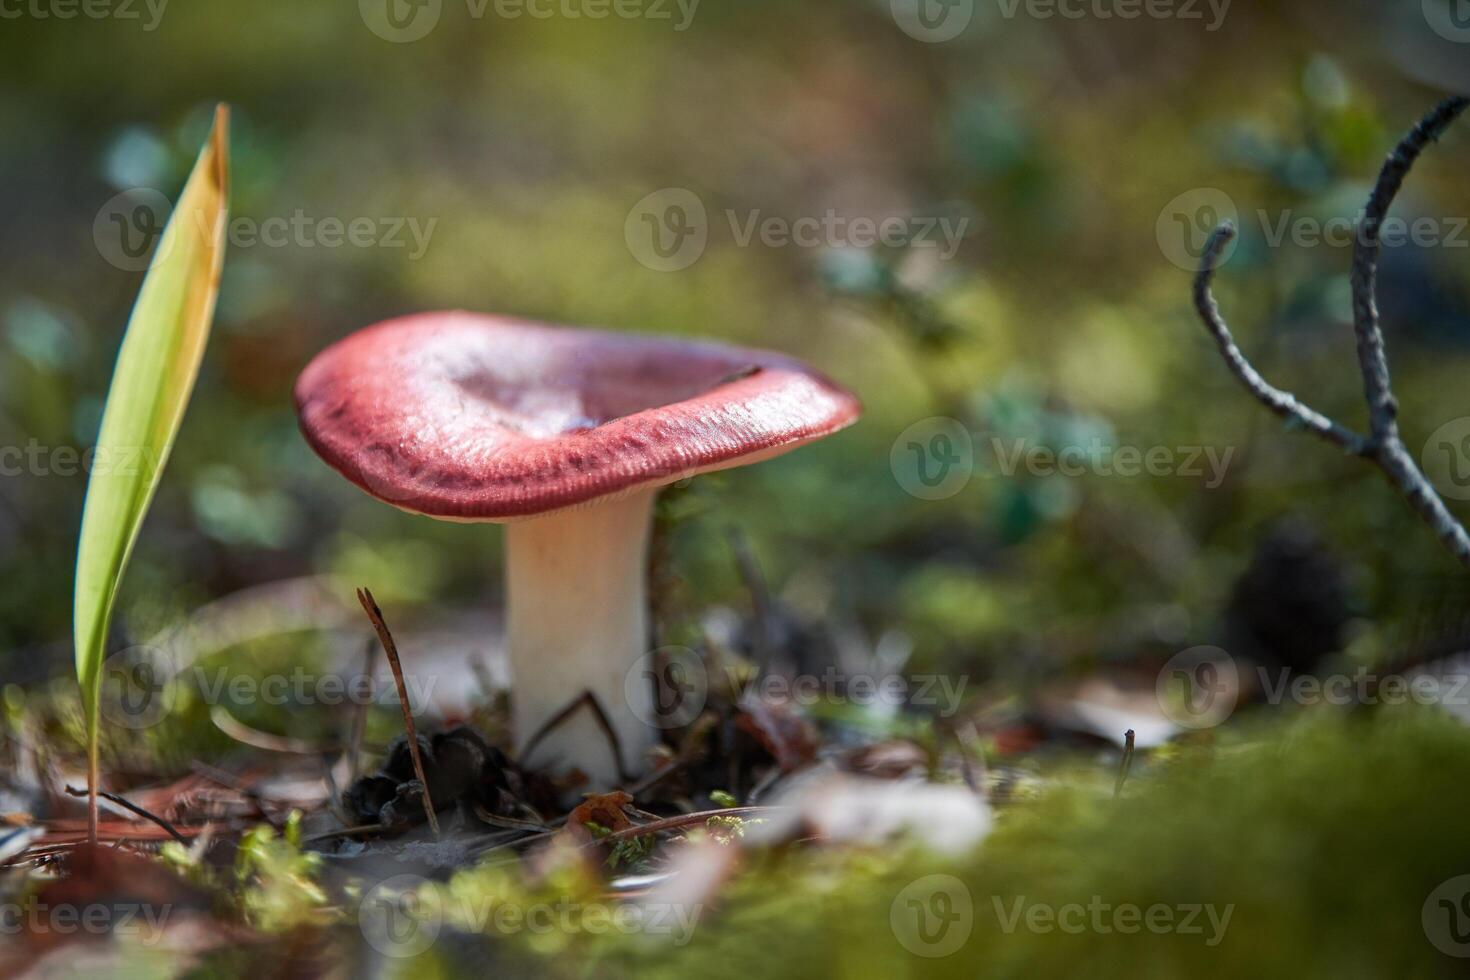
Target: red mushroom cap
pixel 470 417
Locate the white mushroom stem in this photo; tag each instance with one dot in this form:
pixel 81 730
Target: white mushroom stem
pixel 578 622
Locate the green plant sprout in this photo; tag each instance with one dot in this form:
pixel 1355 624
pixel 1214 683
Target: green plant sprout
pixel 151 384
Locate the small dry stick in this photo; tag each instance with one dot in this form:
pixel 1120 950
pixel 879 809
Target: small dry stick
pixel 643 785
pixel 134 809
pixel 589 701
pixel 681 821
pixel 359 718
pixel 390 648
pixel 1126 764
pixel 1383 445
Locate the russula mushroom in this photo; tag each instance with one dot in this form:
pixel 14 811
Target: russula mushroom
pixel 565 435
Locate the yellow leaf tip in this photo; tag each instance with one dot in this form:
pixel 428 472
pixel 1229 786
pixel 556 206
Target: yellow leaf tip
pixel 219 142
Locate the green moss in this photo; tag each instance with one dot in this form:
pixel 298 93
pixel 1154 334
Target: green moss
pixel 1315 843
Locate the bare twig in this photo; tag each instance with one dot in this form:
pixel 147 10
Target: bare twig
pixel 131 808
pixel 589 701
pixel 691 748
pixel 681 821
pixel 1283 403
pixel 359 719
pixel 764 784
pixel 508 823
pixel 651 780
pixel 1126 763
pixel 370 606
pixel 1383 445
pixel 1382 407
pixel 510 840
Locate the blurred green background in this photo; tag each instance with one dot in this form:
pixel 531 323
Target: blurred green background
pixel 1071 149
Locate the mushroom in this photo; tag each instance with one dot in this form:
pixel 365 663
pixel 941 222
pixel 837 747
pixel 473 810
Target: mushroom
pixel 565 435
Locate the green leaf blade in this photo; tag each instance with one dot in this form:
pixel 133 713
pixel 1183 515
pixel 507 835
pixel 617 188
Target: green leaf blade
pixel 151 384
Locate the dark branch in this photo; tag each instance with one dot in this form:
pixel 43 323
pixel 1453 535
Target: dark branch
pixel 1283 403
pixel 1125 764
pixel 1383 445
pixel 1382 406
pixel 589 701
pixel 1406 477
pixel 134 809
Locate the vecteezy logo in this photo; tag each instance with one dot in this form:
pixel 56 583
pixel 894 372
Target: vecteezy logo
pixel 667 230
pixel 1446 458
pixel 137 688
pixel 933 458
pixel 1446 917
pixel 933 21
pixel 128 227
pixel 668 687
pixel 1185 224
pixel 932 916
pixel 395 918
pixel 1198 687
pixel 400 21
pixel 1450 19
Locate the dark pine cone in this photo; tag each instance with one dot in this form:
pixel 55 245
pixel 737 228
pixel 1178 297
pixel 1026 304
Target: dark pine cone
pixel 461 767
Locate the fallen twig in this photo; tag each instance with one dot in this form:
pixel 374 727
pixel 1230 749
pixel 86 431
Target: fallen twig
pixel 657 776
pixel 391 649
pixel 684 820
pixel 764 784
pixel 589 701
pixel 359 718
pixel 131 808
pixel 1125 764
pixel 508 823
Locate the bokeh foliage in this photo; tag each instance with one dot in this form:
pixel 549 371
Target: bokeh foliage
pixel 527 142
